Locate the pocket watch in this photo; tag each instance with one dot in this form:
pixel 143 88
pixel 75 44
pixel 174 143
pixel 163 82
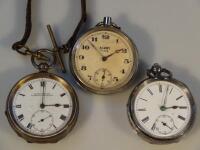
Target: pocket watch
pixel 43 107
pixel 104 59
pixel 161 109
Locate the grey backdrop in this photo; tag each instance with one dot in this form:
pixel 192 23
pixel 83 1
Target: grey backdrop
pixel 167 32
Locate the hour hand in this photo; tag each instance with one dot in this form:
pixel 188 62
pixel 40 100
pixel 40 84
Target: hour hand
pixel 176 107
pixel 115 52
pixel 57 105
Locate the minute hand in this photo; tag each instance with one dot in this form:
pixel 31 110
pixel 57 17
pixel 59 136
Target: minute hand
pixel 165 97
pixel 42 105
pixel 95 48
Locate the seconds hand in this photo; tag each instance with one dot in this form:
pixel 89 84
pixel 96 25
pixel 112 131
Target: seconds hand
pixel 166 125
pixel 42 120
pixel 103 77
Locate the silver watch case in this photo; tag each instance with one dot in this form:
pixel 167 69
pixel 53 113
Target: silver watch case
pixel 31 138
pixel 140 131
pixel 84 85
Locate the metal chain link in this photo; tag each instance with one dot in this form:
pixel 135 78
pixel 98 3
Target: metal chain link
pixel 25 50
pixel 21 48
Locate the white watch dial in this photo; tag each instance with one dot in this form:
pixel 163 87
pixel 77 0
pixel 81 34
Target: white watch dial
pixel 162 110
pixel 42 106
pixel 104 60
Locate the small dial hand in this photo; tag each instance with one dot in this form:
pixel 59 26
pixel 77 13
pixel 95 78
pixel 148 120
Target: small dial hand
pixel 166 125
pixel 103 77
pixel 42 120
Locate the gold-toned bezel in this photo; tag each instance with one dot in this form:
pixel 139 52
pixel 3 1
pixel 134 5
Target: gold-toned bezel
pixel 53 138
pixel 82 83
pixel 140 131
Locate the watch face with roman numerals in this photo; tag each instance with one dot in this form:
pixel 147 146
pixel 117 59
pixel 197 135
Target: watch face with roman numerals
pixel 162 110
pixel 41 106
pixel 104 60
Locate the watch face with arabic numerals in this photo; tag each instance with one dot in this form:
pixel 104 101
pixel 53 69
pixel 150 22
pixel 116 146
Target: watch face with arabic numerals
pixel 42 107
pixel 162 110
pixel 104 60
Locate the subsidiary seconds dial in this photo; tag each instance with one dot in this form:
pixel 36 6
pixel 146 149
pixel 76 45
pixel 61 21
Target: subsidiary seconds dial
pixel 107 54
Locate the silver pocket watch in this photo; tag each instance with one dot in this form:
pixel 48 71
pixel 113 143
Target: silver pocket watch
pixel 161 109
pixel 42 107
pixel 104 59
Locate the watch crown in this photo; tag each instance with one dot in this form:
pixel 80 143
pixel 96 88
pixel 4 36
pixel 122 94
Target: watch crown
pixel 107 21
